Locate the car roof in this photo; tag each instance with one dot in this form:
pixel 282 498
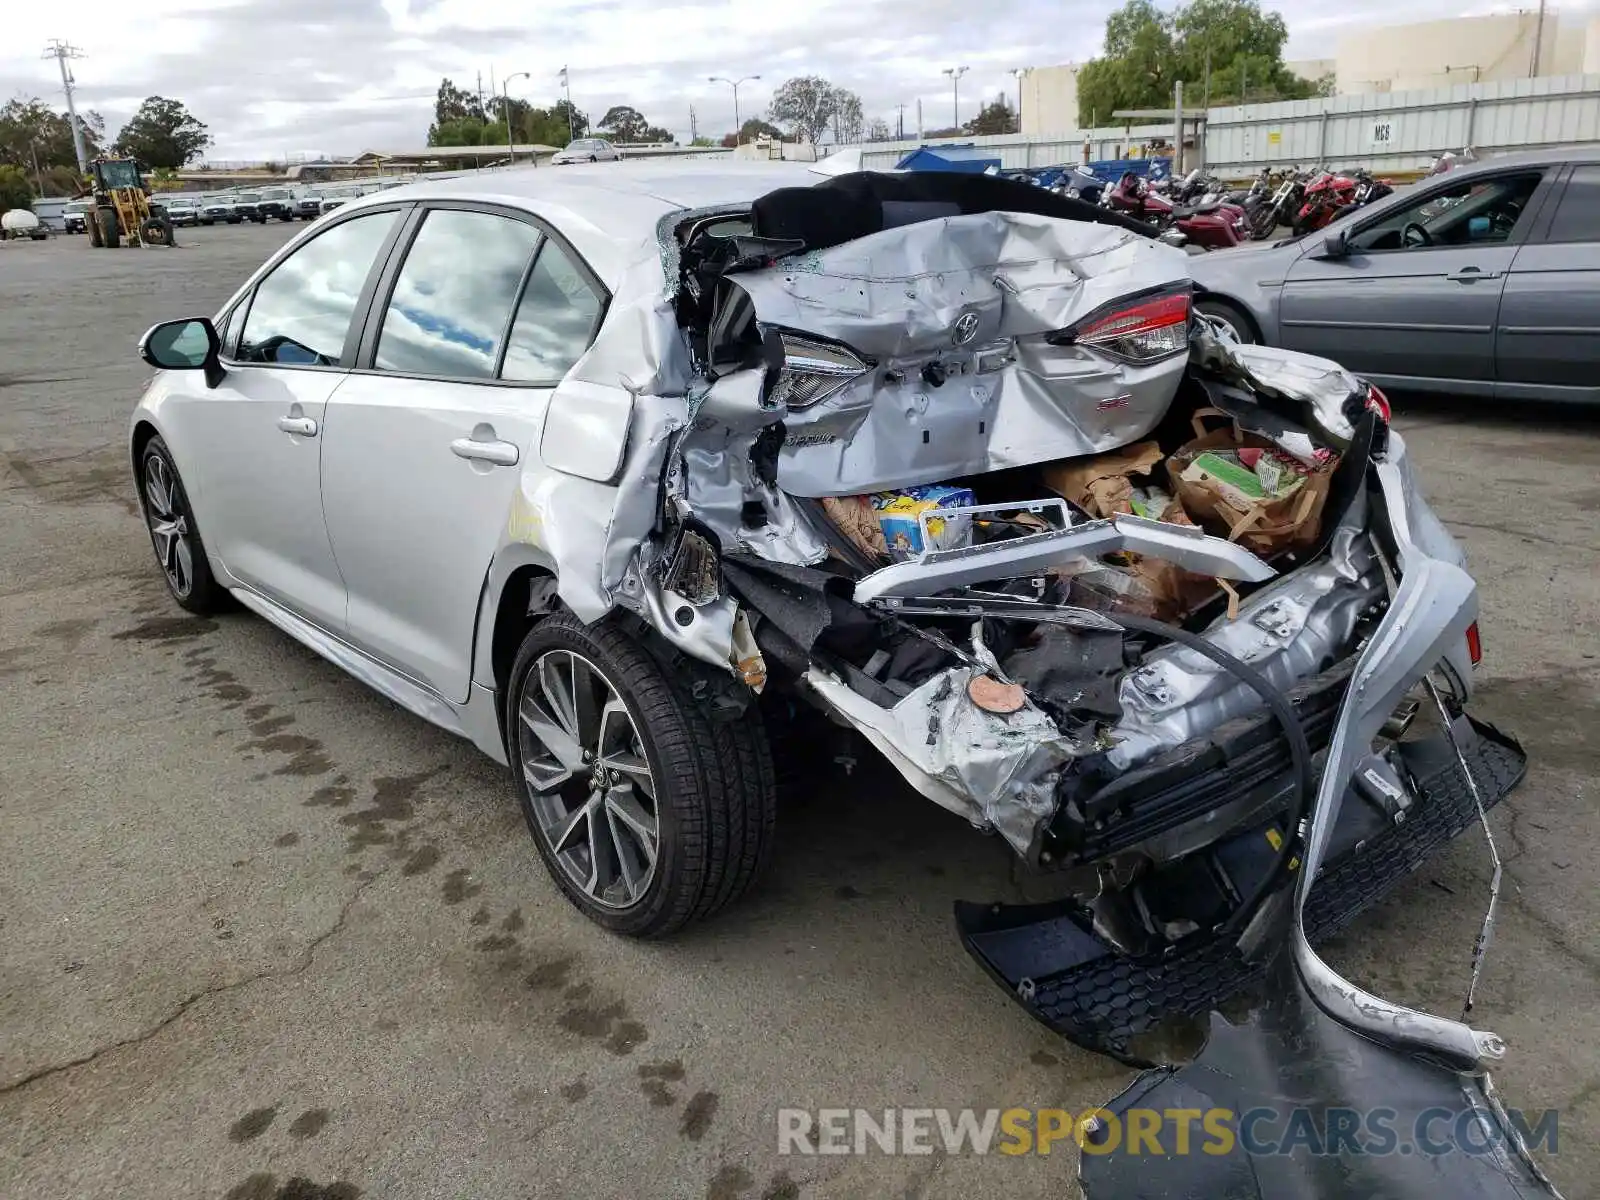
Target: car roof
pixel 605 213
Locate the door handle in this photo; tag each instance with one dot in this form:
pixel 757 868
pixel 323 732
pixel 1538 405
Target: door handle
pixel 1471 275
pixel 304 426
pixel 501 454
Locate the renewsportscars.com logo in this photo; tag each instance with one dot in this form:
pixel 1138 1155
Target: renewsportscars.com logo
pixel 1173 1131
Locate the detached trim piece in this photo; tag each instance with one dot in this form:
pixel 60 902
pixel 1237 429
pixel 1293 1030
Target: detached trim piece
pixel 1188 547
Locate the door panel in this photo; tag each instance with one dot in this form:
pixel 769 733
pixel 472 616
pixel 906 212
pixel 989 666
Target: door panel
pixel 1548 333
pixel 260 500
pixel 1418 292
pixel 418 474
pixel 417 483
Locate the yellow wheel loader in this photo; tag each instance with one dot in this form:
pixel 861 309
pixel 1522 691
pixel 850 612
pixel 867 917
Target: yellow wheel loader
pixel 121 212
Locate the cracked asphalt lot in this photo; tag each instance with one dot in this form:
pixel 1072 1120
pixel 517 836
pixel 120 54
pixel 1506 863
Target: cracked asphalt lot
pixel 264 935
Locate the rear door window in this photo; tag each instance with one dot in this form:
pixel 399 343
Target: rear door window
pixel 1578 217
pixel 453 297
pixel 555 320
pixel 301 312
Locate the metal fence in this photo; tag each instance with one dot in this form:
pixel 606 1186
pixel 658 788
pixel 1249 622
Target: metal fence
pixel 1398 131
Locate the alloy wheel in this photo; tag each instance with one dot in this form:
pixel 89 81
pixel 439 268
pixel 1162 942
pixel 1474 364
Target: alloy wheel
pixel 169 525
pixel 592 792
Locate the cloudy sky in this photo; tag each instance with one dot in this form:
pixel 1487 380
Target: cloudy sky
pixel 276 78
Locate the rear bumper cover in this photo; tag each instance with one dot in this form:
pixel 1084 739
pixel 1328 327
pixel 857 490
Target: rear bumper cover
pixel 1050 960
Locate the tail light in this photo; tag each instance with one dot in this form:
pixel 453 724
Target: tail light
pixel 1379 403
pixel 1474 644
pixel 809 370
pixel 1138 331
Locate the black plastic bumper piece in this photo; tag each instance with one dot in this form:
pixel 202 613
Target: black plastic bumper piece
pixel 1047 956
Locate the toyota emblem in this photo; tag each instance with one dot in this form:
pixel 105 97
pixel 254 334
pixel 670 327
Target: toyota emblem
pixel 965 329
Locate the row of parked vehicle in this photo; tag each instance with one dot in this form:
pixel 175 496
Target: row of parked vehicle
pixel 260 206
pixel 1202 211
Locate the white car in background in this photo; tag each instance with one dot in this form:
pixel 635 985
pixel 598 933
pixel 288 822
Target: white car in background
pixel 587 150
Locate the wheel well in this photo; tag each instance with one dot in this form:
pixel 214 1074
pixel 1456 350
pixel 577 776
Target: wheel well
pixel 142 433
pixel 1232 306
pixel 528 596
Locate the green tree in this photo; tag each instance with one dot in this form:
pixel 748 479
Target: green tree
pixel 461 131
pixel 1148 50
pixel 163 133
pixel 456 111
pixel 806 105
pixel 14 189
pixel 997 116
pixel 624 123
pixel 31 131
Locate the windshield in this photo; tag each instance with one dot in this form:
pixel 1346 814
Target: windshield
pixel 213 200
pixel 74 209
pixel 274 194
pixel 120 174
pixel 247 197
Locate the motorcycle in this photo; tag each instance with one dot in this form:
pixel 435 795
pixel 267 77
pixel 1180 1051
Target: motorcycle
pixel 1082 184
pixel 1280 208
pixel 1210 225
pixel 1329 196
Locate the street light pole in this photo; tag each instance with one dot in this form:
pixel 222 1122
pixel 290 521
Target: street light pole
pixel 1019 72
pixel 955 74
pixel 505 91
pixel 734 84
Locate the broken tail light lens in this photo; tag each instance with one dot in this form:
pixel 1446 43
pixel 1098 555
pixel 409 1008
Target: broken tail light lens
pixel 1137 331
pixel 1379 403
pixel 812 370
pixel 1474 644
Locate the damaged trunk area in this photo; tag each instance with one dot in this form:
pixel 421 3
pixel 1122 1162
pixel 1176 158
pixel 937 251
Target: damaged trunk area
pixel 962 468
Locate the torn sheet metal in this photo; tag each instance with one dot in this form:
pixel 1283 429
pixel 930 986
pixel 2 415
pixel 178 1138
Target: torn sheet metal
pixel 1319 385
pixel 995 769
pixel 1186 545
pixel 955 315
pixel 1288 631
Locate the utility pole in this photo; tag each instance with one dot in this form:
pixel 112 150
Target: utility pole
pixel 1244 81
pixel 1538 40
pixel 1018 73
pixel 61 51
pixel 955 74
pixel 1205 99
pixel 919 119
pixel 480 94
pixel 505 90
pixel 694 130
pixel 900 123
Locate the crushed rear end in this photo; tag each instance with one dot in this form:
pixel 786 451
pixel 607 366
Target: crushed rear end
pixel 1216 781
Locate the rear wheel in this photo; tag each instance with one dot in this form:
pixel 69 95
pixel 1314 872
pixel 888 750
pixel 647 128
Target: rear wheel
pixel 110 235
pixel 648 814
pixel 174 533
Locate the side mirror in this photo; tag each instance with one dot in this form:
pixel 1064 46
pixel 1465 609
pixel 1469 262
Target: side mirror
pixel 191 344
pixel 1336 246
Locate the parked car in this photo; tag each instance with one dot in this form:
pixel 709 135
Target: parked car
pixel 276 203
pixel 248 206
pixel 587 150
pixel 183 210
pixel 1484 281
pixel 72 216
pixel 217 207
pixel 308 206
pixel 334 197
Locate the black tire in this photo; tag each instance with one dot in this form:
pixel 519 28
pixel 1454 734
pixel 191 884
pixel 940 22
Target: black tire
pixel 205 220
pixel 235 220
pixel 715 793
pixel 592 158
pixel 1231 315
pixel 157 231
pixel 110 235
pixel 200 592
